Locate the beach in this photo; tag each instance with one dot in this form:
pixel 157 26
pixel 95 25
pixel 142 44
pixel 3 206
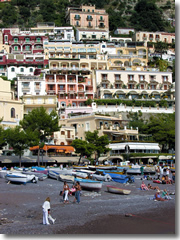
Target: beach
pixel 97 213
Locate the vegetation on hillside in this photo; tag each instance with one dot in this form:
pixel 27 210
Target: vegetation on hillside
pixel 139 14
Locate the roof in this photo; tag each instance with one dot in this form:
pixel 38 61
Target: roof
pixel 66 149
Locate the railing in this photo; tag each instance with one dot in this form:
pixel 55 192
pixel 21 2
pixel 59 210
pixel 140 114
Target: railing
pixel 25 89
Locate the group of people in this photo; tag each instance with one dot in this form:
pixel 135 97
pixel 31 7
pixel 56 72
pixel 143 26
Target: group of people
pixel 66 191
pixel 70 191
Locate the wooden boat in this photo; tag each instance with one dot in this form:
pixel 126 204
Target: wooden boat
pixel 90 185
pixel 39 175
pixel 20 177
pixel 117 190
pixel 66 178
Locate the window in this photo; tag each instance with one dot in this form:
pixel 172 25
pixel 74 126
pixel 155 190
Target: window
pixel 101 18
pixel 5 38
pixel 21 69
pixel 15 48
pixel 12 69
pixel 89 24
pixel 84 35
pixel 27 40
pixel 15 40
pixel 31 70
pixel 12 113
pixel 87 127
pixel 27 48
pixel 94 36
pixel 77 23
pixel 88 10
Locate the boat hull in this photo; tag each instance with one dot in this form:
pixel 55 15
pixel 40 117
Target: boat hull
pixel 116 190
pixel 20 178
pixel 91 186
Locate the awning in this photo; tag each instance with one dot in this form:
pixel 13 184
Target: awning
pixel 55 147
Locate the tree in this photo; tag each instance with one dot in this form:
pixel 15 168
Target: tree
pixel 20 140
pixel 147 16
pixel 162 128
pixel 2 138
pixel 161 47
pixel 82 147
pixel 41 123
pixel 99 143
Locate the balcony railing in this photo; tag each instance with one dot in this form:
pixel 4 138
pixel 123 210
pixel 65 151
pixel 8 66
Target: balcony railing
pixel 101 26
pixel 25 89
pixel 89 18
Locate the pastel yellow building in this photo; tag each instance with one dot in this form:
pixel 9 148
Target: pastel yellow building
pixel 11 110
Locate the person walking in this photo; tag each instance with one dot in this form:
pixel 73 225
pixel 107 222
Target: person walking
pixel 66 191
pixel 46 212
pixel 77 193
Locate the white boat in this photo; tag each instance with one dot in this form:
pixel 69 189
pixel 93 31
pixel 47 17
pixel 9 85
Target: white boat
pixel 66 178
pixel 20 177
pixel 80 174
pixel 3 173
pixel 113 189
pixel 92 186
pixel 40 176
pixel 133 171
pixel 99 177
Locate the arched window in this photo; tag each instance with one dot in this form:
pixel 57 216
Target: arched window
pixel 62 133
pixel 12 113
pixel 62 143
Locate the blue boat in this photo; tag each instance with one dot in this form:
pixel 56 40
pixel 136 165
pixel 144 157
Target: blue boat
pixel 121 178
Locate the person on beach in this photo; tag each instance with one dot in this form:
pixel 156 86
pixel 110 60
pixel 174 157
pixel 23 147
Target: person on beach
pixel 72 190
pixel 153 188
pixel 158 197
pixel 66 191
pixel 158 172
pixel 143 186
pixel 77 193
pixel 168 180
pixel 46 212
pixel 165 195
pixel 173 178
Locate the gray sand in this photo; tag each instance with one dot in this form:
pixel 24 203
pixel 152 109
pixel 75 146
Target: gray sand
pixel 21 206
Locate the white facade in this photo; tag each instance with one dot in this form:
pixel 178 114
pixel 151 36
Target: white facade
pixel 116 82
pixel 65 33
pixel 133 147
pixel 30 85
pixel 124 30
pixel 13 71
pixel 91 34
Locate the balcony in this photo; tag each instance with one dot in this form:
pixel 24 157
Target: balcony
pixel 77 18
pixel 81 90
pixel 101 20
pixel 144 38
pixel 157 39
pixel 25 89
pixel 37 89
pixel 89 18
pixel 151 38
pixel 61 91
pixel 51 92
pixel 101 26
pixel 89 26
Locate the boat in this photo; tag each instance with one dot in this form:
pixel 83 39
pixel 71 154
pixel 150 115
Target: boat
pixel 80 174
pixel 102 167
pixel 133 171
pixel 54 172
pixel 121 178
pixel 66 178
pixel 117 190
pixel 39 175
pixel 149 170
pixel 99 177
pixel 80 167
pixel 90 185
pixel 17 177
pixel 3 173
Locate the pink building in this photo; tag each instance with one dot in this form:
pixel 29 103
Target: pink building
pixel 72 86
pixel 88 17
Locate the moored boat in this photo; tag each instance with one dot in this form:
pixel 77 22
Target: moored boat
pixel 117 190
pixel 66 178
pixel 90 185
pixel 20 177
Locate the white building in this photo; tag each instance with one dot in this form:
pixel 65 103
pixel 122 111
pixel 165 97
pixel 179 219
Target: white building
pixel 30 85
pixel 85 34
pixel 134 147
